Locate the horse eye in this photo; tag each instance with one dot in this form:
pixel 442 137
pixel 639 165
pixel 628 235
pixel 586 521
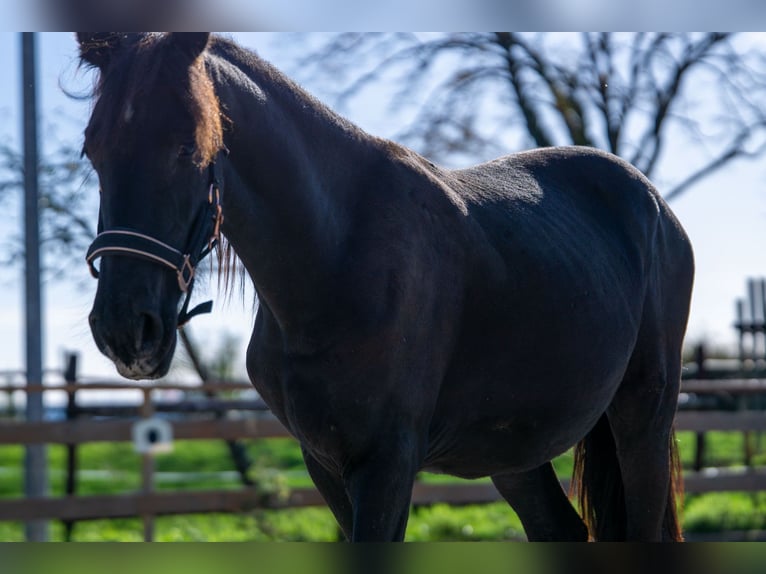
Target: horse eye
pixel 186 150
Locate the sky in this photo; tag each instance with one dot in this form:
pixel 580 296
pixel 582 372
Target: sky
pixel 725 217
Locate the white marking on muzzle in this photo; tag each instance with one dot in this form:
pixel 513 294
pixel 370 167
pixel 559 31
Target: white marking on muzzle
pixel 139 369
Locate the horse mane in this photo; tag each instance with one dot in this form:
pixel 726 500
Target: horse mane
pixel 265 75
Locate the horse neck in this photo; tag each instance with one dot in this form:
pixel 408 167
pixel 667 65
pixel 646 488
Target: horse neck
pixel 289 184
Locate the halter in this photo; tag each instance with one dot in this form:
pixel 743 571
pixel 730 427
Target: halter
pixel 206 233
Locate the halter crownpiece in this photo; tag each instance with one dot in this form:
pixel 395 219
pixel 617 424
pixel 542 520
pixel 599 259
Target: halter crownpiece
pixel 206 233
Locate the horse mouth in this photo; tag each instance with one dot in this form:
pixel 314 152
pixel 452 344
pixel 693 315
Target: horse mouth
pixel 141 346
pixel 139 370
pixel 144 367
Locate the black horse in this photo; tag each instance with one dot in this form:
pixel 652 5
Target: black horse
pixel 476 322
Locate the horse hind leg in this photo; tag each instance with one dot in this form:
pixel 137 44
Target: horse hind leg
pixel 636 436
pixel 626 474
pixel 597 483
pixel 641 418
pixel 543 507
pixel 641 424
pixel 626 468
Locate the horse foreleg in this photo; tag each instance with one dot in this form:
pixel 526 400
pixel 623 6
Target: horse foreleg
pixel 332 489
pixel 543 507
pixel 380 488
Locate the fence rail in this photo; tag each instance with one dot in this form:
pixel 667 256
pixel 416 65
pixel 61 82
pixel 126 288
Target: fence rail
pixel 257 424
pixel 85 431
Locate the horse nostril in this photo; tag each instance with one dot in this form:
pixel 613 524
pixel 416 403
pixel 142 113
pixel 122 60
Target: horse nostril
pixel 150 332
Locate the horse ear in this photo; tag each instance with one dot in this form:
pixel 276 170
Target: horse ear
pixel 191 44
pixel 97 48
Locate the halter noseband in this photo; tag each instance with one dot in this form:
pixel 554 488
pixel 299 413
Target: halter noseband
pixel 205 235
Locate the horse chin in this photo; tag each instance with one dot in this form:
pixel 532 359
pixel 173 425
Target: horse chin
pixel 144 367
pixel 139 370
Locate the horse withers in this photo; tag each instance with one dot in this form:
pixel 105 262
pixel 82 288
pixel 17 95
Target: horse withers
pixel 476 322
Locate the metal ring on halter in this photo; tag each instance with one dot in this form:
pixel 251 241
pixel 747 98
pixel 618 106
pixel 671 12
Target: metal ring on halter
pixel 183 282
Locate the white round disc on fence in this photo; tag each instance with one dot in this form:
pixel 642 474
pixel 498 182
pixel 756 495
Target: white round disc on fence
pixel 152 436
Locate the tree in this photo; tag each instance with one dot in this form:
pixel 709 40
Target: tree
pixel 630 93
pixel 67 213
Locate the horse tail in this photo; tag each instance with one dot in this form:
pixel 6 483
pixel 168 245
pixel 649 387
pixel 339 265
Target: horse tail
pixel 671 524
pixel 598 488
pixel 597 483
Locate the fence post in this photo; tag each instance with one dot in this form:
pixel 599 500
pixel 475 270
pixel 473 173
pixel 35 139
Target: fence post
pixel 147 469
pixel 699 452
pixel 761 291
pixel 741 328
pixel 70 377
pixel 36 457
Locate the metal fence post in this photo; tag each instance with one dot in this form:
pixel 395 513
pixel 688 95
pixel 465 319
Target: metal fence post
pixel 35 463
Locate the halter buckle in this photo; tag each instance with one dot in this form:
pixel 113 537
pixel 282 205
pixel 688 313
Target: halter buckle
pixel 215 193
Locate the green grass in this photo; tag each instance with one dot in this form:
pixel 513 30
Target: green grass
pixel 436 523
pixel 118 466
pixel 442 522
pixel 718 511
pixel 278 464
pixel 721 449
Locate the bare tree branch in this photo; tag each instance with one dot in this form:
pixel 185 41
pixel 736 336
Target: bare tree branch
pixel 66 191
pixel 562 90
pixel 629 93
pixel 534 125
pixel 735 150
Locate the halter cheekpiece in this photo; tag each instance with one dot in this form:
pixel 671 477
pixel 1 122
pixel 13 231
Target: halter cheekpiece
pixel 206 232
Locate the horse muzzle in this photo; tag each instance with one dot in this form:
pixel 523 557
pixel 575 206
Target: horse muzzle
pixel 139 348
pixel 135 326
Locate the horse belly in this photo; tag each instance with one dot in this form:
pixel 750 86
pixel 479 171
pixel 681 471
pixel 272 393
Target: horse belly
pixel 501 444
pixel 490 424
pixel 528 381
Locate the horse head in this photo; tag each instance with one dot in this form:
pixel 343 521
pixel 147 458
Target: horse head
pixel 153 138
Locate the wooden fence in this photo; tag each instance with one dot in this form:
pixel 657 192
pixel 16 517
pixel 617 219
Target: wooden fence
pixel 256 423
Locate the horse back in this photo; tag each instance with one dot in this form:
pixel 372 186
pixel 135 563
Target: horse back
pixel 571 207
pixel 565 189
